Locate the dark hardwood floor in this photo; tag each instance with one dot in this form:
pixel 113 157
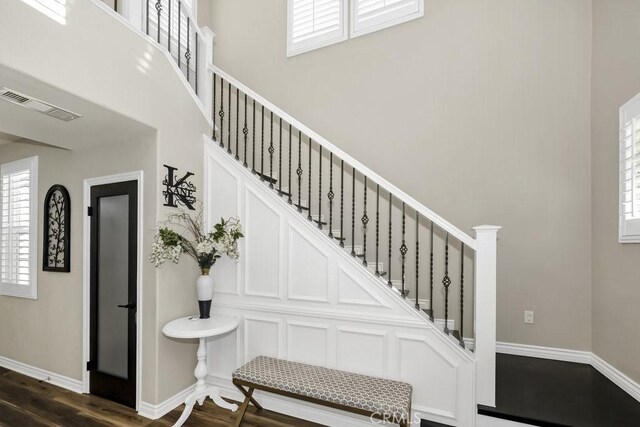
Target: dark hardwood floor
pixel 26 402
pixel 551 393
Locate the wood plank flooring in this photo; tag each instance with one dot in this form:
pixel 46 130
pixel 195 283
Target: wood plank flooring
pixel 26 402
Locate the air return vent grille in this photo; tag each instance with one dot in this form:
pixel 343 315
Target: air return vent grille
pixel 26 101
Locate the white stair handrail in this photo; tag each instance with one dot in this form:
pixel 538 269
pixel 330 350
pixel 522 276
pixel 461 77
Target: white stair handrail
pixel 397 193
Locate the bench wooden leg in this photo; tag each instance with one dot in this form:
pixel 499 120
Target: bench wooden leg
pixel 249 394
pixel 244 406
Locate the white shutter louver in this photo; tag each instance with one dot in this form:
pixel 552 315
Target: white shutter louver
pixel 372 15
pixel 630 171
pixel 315 23
pixel 18 237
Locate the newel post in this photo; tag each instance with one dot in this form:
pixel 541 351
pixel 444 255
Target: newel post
pixel 206 95
pixel 485 313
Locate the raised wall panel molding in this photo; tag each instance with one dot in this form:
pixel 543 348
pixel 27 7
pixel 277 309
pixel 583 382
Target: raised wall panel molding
pixel 305 341
pixel 42 374
pixel 308 269
pixel 357 349
pixel 351 293
pixel 267 338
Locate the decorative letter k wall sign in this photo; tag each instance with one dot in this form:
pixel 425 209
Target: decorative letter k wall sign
pixel 178 191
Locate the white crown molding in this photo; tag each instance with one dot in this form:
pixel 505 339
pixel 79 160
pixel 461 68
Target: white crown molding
pixel 41 374
pixel 153 412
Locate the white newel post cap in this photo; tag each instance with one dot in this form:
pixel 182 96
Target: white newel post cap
pixel 487 228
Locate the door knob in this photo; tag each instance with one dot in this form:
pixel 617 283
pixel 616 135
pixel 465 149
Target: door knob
pixel 130 306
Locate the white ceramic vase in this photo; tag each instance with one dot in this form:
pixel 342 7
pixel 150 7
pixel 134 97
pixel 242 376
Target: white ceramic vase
pixel 204 288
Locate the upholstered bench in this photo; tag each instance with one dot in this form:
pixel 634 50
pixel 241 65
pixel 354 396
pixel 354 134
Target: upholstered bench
pixel 383 399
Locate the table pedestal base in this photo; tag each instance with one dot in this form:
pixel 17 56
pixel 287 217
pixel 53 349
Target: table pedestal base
pixel 202 391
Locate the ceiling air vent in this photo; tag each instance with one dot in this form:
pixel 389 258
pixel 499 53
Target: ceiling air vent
pixel 26 101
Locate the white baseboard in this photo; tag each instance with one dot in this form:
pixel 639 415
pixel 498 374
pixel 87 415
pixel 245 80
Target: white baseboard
pixel 41 374
pixel 586 357
pixel 617 377
pixel 153 412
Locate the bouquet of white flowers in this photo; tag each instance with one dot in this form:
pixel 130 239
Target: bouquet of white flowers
pixel 204 247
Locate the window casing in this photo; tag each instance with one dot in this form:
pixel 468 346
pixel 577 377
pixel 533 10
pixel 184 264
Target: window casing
pixel 18 228
pixel 630 172
pixel 312 24
pixel 373 15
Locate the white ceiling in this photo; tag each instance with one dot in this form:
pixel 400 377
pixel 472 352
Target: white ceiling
pixel 97 126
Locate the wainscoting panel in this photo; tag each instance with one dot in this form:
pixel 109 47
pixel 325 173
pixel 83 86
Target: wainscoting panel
pixel 302 298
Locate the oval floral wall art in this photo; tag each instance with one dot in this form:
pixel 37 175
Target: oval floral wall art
pixel 57 217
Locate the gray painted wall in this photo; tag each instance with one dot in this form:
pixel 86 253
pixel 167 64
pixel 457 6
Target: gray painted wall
pixel 480 110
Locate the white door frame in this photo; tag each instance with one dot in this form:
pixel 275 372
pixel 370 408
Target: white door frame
pixel 86 279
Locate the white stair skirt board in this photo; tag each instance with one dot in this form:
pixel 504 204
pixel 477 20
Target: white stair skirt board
pixel 41 374
pixel 484 421
pixel 577 356
pixel 153 412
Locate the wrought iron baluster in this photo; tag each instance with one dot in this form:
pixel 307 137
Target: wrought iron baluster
pixel 228 118
pixel 377 228
pixel 309 196
pixel 253 131
pixel 179 35
pixel 403 251
pixel 214 106
pixel 168 27
pixel 342 239
pixel 390 239
pixel 280 159
pixel 462 294
pixel 159 11
pixel 289 181
pixel 195 68
pixel 431 273
pixel 271 151
pixel 237 123
pixel 299 171
pixel 330 195
pixel 365 221
pixel 417 259
pixel 221 112
pixel 353 211
pixel 320 187
pixel 147 16
pixel 446 281
pixel 245 131
pixel 262 144
pixel 187 54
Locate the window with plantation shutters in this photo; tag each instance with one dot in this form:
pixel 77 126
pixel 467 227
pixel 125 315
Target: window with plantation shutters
pixel 630 171
pixel 373 15
pixel 18 230
pixel 315 23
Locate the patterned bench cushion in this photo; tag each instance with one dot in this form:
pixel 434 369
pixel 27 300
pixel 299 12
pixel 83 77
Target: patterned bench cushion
pixel 386 398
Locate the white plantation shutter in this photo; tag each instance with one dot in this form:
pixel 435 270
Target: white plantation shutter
pixel 630 171
pixel 373 15
pixel 315 23
pixel 18 230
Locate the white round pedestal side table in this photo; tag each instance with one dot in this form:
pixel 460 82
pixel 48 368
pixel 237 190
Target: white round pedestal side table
pixel 190 328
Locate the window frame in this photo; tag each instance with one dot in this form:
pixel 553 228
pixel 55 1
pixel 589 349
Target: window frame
pixel 294 49
pixel 14 289
pixel 628 229
pixel 355 31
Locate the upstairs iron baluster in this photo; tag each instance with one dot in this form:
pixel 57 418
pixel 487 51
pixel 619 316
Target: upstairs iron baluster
pixel 320 187
pixel 280 158
pixel 195 68
pixel 431 273
pixel 417 258
pixel 179 36
pixel 168 27
pixel 271 151
pixel 377 229
pixel 147 17
pixel 353 211
pixel 237 123
pixel 390 283
pixel 403 252
pixel 228 118
pixel 159 10
pixel 289 181
pixel 330 195
pixel 262 144
pixel 309 196
pixel 213 135
pixel 446 281
pixel 253 132
pixel 462 294
pixel 221 112
pixel 187 54
pixel 299 171
pixel 342 203
pixel 245 131
pixel 365 221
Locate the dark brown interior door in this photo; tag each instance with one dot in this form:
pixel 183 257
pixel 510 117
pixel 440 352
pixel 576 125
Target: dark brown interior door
pixel 114 235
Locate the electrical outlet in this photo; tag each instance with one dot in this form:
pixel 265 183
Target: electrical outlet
pixel 528 317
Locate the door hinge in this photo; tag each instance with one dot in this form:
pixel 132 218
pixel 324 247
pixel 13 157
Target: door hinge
pixel 91 365
pixel 89 211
